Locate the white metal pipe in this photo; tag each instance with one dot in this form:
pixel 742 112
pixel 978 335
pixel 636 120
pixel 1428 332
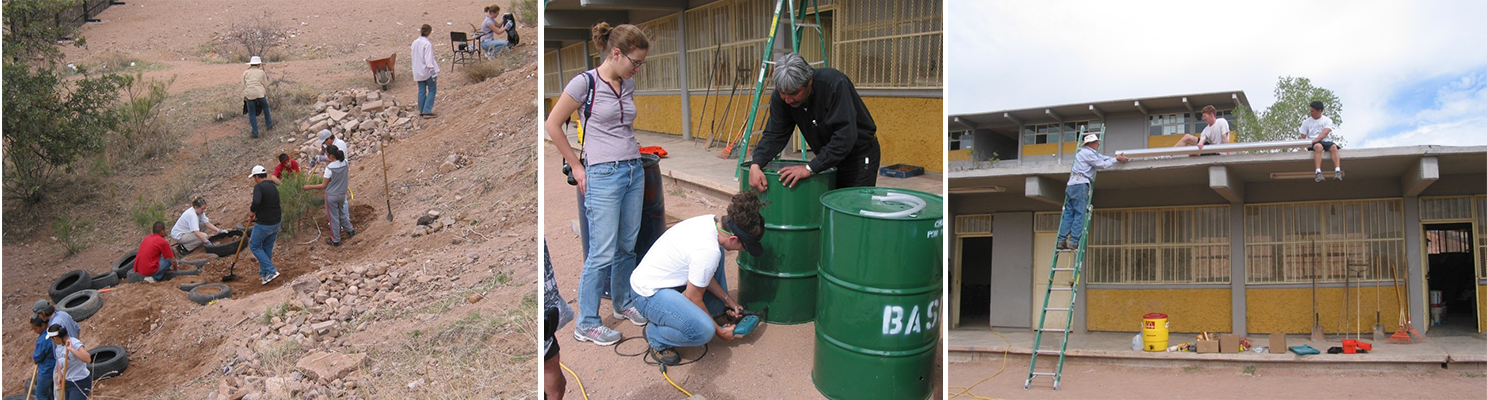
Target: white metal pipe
pixel 1214 148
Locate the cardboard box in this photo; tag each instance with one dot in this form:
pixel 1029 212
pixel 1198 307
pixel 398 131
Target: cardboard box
pixel 1208 346
pixel 1228 343
pixel 1277 343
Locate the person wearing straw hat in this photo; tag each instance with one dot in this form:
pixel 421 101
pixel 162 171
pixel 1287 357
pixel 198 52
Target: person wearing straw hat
pixel 45 359
pixel 681 284
pixel 265 214
pixel 1076 194
pixel 255 88
pixel 73 380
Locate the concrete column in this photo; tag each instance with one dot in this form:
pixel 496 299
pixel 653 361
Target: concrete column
pixel 681 62
pixel 1237 277
pixel 1419 313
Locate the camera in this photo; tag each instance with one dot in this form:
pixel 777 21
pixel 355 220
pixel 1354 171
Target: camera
pixel 567 170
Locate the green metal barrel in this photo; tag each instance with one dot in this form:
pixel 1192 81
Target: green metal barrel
pixel 784 279
pixel 878 306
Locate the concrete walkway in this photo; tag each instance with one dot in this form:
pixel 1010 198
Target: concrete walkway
pixel 972 344
pixel 689 164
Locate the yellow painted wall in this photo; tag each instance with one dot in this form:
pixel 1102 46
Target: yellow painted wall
pixel 1188 310
pixel 959 155
pixel 1290 311
pixel 1482 308
pixel 1047 149
pixel 1153 142
pixel 910 129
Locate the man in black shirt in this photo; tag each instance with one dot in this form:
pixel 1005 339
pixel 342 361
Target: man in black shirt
pixel 836 125
pixel 265 214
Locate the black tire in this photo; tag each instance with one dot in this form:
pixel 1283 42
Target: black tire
pixel 224 247
pixel 81 305
pixel 134 277
pixel 186 287
pixel 106 280
pixel 108 361
pixel 204 294
pixel 172 274
pixel 69 283
pixel 124 264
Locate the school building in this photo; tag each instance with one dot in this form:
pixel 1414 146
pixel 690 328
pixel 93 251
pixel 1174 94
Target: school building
pixel 704 53
pixel 1230 243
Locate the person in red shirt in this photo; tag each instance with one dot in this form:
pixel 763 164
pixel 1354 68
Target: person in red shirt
pixel 286 164
pixel 154 257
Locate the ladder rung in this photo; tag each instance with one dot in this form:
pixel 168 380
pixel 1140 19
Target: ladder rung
pixel 1059 289
pixel 769 62
pixel 1063 269
pixel 1053 330
pixel 1049 352
pixel 1056 309
pixel 1043 374
pixel 1067 250
pixel 818 63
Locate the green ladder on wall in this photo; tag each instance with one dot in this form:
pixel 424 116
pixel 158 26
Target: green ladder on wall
pixel 1077 271
pixel 797 28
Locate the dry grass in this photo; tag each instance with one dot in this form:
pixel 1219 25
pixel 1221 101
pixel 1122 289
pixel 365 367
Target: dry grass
pixel 505 61
pixel 478 356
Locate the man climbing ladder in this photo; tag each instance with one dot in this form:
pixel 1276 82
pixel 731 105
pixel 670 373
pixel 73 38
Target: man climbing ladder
pixel 1071 228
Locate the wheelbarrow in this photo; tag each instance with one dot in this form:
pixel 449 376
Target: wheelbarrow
pixel 382 69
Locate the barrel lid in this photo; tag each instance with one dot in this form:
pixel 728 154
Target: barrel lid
pixel 856 200
pixel 1155 315
pixel 648 160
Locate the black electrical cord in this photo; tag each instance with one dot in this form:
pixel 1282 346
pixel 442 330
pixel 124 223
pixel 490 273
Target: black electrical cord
pixel 648 350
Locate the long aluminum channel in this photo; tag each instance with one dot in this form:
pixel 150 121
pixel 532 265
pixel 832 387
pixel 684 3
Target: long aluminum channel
pixel 1217 148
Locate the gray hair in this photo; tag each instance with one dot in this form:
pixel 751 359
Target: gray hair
pixel 791 72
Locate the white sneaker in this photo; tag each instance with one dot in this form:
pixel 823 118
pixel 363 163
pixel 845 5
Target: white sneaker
pixel 270 278
pixel 149 279
pixel 632 314
pixel 600 335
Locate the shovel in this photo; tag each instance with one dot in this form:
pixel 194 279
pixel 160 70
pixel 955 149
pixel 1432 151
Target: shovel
pixel 231 275
pixel 1378 324
pixel 385 187
pixel 1316 320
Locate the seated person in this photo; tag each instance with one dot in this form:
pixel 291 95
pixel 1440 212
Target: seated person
pixel 286 164
pixel 680 286
pixel 1217 132
pixel 154 257
pixel 187 230
pixel 493 31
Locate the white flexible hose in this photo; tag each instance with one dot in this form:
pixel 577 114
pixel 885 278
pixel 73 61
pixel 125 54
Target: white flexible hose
pixel 915 205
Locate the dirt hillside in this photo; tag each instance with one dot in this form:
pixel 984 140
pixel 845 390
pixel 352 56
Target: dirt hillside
pixel 439 315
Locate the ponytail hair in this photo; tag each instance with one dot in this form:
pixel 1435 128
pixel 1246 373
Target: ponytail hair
pixel 625 37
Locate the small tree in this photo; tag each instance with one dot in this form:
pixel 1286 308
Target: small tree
pixel 525 11
pixel 257 34
pixel 1282 120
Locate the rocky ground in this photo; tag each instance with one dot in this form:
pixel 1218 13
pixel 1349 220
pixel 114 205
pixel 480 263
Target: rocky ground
pixel 440 309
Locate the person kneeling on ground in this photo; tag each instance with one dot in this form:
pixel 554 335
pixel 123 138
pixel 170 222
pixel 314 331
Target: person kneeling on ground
pixel 335 196
pixel 188 228
pixel 72 375
pixel 681 285
pixel 155 256
pixel 326 140
pixel 286 164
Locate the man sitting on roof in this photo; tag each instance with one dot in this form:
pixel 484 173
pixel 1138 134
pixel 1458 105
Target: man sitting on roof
pixel 1318 128
pixel 1217 132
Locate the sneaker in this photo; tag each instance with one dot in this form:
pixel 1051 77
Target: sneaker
pixel 149 279
pixel 181 249
pixel 332 243
pixel 666 357
pixel 270 278
pixel 1319 176
pixel 1337 174
pixel 349 234
pixel 632 314
pixel 600 335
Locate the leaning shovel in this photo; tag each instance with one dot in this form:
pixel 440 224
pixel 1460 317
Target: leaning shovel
pixel 385 187
pixel 231 270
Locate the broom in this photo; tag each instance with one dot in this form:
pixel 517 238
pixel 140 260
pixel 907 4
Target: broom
pixel 1406 333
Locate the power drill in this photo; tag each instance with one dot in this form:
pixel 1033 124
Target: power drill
pixel 748 320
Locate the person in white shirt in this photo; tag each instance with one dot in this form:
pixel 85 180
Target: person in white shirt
pixel 1217 132
pixel 425 71
pixel 73 379
pixel 1318 128
pixel 681 284
pixel 187 230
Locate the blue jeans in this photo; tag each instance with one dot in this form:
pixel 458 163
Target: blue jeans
pixel 262 245
pixel 80 389
pixel 677 322
pixel 615 193
pixel 253 107
pixel 44 389
pixel 493 46
pixel 164 266
pixel 426 90
pixel 1076 201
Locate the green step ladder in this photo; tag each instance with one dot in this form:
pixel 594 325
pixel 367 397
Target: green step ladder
pixel 797 32
pixel 1077 272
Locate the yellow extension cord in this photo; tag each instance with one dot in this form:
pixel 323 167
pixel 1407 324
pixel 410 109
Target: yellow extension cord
pixel 575 379
pixel 966 390
pixel 673 384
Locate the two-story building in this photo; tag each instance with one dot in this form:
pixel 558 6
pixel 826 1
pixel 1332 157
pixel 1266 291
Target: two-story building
pixel 1230 243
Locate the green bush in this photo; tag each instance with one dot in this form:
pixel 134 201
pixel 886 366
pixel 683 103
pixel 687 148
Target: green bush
pixel 69 230
pixel 525 11
pixel 145 214
pixel 140 131
pixel 295 202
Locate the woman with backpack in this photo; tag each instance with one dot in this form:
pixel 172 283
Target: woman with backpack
pixel 489 29
pixel 609 175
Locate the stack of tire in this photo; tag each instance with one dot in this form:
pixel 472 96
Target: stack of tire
pixel 76 292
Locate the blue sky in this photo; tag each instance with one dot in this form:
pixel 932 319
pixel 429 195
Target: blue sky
pixel 1408 73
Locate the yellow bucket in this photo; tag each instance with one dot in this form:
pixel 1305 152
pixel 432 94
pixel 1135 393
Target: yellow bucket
pixel 1154 332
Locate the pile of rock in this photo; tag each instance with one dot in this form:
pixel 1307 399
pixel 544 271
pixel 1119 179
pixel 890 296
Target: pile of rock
pixel 358 116
pixel 432 222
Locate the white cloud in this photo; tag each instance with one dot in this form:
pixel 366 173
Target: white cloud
pixel 1016 54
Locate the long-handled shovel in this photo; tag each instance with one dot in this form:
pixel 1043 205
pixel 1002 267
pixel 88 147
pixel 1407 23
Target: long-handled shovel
pixel 1378 305
pixel 385 187
pixel 1316 319
pixel 231 270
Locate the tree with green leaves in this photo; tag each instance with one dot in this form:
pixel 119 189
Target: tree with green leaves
pixel 1282 120
pixel 51 120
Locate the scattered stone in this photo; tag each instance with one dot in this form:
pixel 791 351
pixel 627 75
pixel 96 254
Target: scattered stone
pixel 327 367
